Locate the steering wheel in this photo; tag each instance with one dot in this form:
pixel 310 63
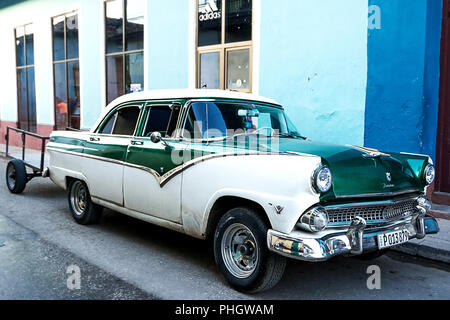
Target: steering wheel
pixel 262 128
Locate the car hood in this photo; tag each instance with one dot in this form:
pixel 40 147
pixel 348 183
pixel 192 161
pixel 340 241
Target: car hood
pixel 357 171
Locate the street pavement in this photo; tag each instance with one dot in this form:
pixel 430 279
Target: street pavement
pixel 123 258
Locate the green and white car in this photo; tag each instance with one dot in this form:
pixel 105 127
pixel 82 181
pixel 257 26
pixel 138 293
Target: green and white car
pixel 232 166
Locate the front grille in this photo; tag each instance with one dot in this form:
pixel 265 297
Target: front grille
pixel 372 214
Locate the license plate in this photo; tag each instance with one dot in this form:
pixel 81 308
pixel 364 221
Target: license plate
pixel 392 238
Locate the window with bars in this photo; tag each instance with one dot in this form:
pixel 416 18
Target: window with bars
pixel 26 91
pixel 124 43
pixel 224 44
pixel 66 71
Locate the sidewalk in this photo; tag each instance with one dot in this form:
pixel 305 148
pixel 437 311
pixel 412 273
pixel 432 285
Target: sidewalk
pixel 31 156
pixel 433 246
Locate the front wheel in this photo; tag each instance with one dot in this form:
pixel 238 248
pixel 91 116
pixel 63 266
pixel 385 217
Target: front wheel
pixel 84 211
pixel 241 253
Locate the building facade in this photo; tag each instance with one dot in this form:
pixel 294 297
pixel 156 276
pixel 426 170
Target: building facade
pixel 361 72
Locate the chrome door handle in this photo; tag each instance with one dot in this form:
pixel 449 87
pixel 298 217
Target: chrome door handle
pixel 137 143
pixel 94 139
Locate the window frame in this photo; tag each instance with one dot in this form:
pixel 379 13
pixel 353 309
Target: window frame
pixel 24 67
pixel 66 62
pixel 114 113
pixel 223 48
pixel 123 53
pixel 187 106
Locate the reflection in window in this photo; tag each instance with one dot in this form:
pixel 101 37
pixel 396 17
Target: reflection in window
pixel 158 120
pixel 124 27
pixel 224 44
pixel 115 85
pixel 209 22
pixel 209 70
pixel 238 20
pixel 207 120
pixel 26 91
pixel 134 28
pixel 66 71
pixel 114 26
pixel 238 71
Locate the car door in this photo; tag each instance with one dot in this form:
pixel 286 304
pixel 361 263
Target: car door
pixel 151 181
pixel 106 152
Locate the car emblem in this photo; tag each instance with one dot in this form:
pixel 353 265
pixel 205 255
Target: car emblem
pixel 278 208
pixel 388 176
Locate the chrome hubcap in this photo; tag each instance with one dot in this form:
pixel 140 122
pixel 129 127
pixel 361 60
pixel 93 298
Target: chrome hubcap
pixel 11 176
pixel 78 198
pixel 239 250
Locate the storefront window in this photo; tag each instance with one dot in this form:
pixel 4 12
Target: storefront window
pixel 124 27
pixel 224 44
pixel 66 71
pixel 26 91
pixel 209 22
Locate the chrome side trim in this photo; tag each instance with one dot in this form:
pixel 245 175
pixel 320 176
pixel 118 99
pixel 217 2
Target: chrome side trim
pixel 367 195
pixel 162 180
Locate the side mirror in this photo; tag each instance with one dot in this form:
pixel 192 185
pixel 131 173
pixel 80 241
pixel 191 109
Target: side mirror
pixel 155 137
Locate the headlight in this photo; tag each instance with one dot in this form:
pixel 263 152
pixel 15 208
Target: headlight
pixel 314 220
pixel 428 174
pixel 321 179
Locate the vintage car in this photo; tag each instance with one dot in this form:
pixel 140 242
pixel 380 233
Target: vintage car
pixel 231 166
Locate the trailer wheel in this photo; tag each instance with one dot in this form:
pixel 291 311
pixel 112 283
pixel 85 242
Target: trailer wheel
pixel 16 176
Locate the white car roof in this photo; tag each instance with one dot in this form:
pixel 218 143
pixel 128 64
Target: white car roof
pixel 180 94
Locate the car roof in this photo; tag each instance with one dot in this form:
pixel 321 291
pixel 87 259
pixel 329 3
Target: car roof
pixel 189 93
pixel 168 94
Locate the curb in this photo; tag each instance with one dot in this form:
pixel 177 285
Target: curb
pixel 424 251
pixel 440 214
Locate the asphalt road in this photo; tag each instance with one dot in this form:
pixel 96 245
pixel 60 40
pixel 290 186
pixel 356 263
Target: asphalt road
pixel 123 258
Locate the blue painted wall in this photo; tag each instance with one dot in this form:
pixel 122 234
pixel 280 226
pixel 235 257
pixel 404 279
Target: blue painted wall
pixel 431 81
pixel 168 44
pixel 313 60
pixel 402 79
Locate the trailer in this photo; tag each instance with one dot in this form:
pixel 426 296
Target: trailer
pixel 17 175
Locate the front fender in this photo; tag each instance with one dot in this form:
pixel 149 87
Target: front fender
pixel 269 180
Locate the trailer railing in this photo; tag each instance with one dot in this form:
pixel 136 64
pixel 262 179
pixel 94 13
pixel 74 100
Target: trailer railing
pixel 24 134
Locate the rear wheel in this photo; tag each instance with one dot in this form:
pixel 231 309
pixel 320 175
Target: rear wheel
pixel 241 253
pixel 16 176
pixel 84 211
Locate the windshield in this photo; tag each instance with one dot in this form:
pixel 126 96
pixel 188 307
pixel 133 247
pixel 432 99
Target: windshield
pixel 208 120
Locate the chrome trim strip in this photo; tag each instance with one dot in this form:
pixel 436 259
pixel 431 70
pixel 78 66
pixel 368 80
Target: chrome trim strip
pixel 162 180
pixel 368 195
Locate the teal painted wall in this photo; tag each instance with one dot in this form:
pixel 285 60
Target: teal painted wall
pixel 168 36
pixel 314 61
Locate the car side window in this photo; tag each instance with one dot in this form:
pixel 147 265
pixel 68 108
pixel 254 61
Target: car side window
pixel 158 120
pixel 122 122
pixel 162 119
pixel 108 126
pixel 126 121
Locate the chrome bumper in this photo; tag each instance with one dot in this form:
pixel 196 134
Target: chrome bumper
pixel 353 241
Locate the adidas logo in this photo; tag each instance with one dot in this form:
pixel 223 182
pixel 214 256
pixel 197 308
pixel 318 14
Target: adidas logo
pixel 210 12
